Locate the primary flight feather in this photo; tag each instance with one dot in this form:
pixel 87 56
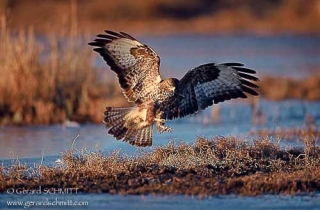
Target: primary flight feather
pixel 156 99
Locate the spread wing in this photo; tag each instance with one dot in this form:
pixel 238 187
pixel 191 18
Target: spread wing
pixel 208 84
pixel 136 64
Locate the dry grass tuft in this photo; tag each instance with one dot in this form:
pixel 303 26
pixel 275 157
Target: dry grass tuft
pixel 207 167
pixel 308 133
pixel 49 79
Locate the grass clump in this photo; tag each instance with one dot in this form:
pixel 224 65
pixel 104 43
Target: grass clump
pixel 207 167
pixel 49 79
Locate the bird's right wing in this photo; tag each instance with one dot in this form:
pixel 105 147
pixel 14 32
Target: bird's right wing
pixel 136 64
pixel 208 84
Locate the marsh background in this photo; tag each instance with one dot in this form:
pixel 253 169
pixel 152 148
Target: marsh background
pixel 54 88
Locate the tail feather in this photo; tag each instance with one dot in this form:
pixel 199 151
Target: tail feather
pixel 113 115
pixel 118 131
pixel 130 136
pixel 144 137
pixel 114 118
pixel 141 138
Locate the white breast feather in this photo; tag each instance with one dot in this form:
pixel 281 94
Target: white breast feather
pixel 136 118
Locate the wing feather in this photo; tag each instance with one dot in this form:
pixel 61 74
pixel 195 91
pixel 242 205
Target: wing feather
pixel 136 64
pixel 208 84
pixel 127 35
pixel 249 84
pixel 232 64
pixel 244 70
pixel 247 76
pixel 115 34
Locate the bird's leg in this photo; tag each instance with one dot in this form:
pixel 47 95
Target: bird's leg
pixel 161 128
pixel 158 120
pixel 160 125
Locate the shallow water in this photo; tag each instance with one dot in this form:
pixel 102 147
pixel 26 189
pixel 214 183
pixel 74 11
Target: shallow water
pixel 234 119
pixel 118 202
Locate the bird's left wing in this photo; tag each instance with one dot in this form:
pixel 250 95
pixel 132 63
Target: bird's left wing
pixel 208 84
pixel 136 64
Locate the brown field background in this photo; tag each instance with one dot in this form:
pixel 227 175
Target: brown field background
pixel 44 82
pixel 167 16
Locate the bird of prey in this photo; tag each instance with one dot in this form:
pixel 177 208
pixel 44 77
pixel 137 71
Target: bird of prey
pixel 156 99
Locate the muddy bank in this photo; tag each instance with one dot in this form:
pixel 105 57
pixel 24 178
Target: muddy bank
pixel 208 167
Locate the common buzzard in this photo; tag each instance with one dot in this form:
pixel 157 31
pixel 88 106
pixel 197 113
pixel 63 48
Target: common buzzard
pixel 156 99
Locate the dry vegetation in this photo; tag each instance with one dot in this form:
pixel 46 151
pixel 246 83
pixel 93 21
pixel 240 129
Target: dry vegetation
pixel 49 80
pixel 291 134
pixel 207 167
pixel 274 88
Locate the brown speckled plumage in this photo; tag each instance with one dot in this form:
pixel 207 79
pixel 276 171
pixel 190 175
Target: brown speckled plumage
pixel 157 100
